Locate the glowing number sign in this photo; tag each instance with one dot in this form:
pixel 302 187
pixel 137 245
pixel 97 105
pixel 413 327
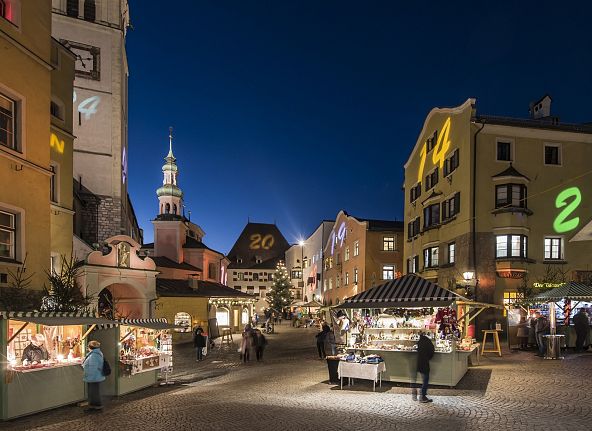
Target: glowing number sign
pixel 339 237
pixel 123 165
pixel 442 145
pixel 560 224
pixel 56 143
pixel 88 107
pixel 259 242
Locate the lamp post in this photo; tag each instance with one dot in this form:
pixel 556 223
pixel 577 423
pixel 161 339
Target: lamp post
pixel 301 244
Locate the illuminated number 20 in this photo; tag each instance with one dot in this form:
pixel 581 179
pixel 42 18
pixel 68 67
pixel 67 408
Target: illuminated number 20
pixel 258 242
pixel 560 224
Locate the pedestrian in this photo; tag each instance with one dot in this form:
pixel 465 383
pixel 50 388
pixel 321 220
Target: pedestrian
pixel 582 326
pixel 425 352
pixel 321 336
pixel 522 333
pixel 330 347
pixel 246 343
pixel 259 342
pixel 199 342
pixel 93 375
pixel 541 329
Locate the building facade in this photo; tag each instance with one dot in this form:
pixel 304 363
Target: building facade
pixel 253 260
pixel 95 31
pixel 304 262
pixel 359 254
pixel 35 144
pixel 493 203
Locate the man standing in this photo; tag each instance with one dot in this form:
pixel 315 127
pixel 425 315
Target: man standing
pixel 425 352
pixel 199 342
pixel 93 375
pixel 541 329
pixel 582 327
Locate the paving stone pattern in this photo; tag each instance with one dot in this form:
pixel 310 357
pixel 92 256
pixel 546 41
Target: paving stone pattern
pixel 289 391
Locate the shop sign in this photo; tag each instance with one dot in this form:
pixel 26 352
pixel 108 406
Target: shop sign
pixel 546 285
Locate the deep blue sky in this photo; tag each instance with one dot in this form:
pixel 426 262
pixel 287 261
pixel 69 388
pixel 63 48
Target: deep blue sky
pixel 289 111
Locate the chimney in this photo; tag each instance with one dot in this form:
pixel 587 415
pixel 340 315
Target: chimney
pixel 541 108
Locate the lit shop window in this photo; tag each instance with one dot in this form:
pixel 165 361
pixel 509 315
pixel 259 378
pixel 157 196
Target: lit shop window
pixel 223 317
pixel 184 320
pixel 511 297
pixel 245 316
pixel 144 349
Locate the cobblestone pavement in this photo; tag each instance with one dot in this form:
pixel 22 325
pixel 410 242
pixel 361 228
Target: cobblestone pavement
pixel 289 391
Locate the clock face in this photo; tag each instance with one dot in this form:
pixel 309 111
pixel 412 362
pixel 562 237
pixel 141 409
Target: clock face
pixel 87 59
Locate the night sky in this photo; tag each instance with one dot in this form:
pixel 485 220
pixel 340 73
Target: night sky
pixel 289 111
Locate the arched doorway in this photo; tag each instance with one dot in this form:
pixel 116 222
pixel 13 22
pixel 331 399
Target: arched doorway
pixel 105 304
pixel 125 300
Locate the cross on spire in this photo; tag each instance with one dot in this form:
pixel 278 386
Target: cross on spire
pixel 170 142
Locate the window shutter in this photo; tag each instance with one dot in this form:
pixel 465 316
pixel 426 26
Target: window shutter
pixel 457 203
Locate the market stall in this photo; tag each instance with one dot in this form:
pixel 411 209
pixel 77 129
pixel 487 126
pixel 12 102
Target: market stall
pixel 138 350
pixel 388 318
pixel 43 354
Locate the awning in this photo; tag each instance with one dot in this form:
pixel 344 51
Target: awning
pixel 157 324
pixel 407 291
pixel 51 318
pixel 570 290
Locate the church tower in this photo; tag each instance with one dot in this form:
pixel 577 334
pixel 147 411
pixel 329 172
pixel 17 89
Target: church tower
pixel 170 196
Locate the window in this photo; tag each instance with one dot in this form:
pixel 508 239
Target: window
pixel 413 228
pixel 511 246
pixel 510 195
pixel 552 155
pixel 56 110
pixel 355 275
pixel 296 273
pixel 504 151
pixel 388 243
pixel 54 183
pixel 90 10
pixel 255 276
pixel 431 179
pixel 346 282
pixel 356 248
pixel 184 320
pixel 223 316
pixel 510 297
pixel 451 163
pixel 212 271
pixel 262 291
pixel 7 122
pixel 415 192
pixel 431 141
pixel 388 272
pixel 241 276
pixel 346 254
pixel 72 8
pixel 413 264
pixel 431 215
pixel 330 262
pixel 451 252
pixel 338 281
pixel 553 248
pixel 7 235
pixel 305 263
pixel 430 257
pixel 330 283
pixel 451 207
pixel 2 9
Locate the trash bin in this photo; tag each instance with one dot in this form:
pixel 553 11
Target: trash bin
pixel 333 365
pixel 554 346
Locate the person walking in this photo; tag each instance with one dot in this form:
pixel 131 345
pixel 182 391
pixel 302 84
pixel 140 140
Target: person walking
pixel 199 342
pixel 582 326
pixel 259 342
pixel 93 375
pixel 425 352
pixel 542 328
pixel 321 340
pixel 247 343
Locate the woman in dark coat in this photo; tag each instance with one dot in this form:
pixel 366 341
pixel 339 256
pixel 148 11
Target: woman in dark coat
pixel 199 342
pixel 321 340
pixel 425 352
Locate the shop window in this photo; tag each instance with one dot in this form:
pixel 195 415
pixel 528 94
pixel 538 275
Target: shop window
pixel 430 257
pixel 90 10
pixel 504 151
pixel 510 195
pixel 183 319
pixel 388 272
pixel 511 246
pixel 553 248
pixel 72 8
pixel 8 117
pixel 431 179
pixel 431 216
pixel 510 297
pixel 552 155
pixel 143 349
pixel 7 235
pixel 356 248
pixel 388 243
pixel 415 192
pixel 451 252
pixel 245 316
pixel 451 207
pixel 451 163
pixel 223 317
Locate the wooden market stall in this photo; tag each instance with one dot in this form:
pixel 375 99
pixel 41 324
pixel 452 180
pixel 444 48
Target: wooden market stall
pixel 42 354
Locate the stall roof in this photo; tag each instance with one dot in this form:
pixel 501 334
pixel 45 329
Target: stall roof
pixel 570 290
pixel 312 304
pixel 156 324
pixel 407 291
pixel 55 318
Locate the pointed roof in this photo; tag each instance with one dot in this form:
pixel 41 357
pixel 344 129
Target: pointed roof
pixel 258 240
pixel 570 290
pixel 511 171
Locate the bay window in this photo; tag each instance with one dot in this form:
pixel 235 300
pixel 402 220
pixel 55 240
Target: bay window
pixel 510 195
pixel 511 246
pixel 431 215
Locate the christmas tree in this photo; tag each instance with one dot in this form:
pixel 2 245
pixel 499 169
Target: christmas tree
pixel 279 297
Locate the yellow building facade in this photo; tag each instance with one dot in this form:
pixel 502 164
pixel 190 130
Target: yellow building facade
pixel 492 204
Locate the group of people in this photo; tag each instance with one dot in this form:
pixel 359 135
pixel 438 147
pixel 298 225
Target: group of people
pixel 253 340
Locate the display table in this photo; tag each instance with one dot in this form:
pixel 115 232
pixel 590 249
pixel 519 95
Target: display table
pixel 356 370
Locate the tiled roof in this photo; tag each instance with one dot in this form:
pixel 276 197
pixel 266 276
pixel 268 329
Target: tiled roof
pixel 205 289
pixel 252 244
pixel 193 243
pixel 510 172
pixel 165 262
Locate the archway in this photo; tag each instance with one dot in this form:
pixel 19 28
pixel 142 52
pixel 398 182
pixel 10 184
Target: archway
pixel 126 301
pixel 105 304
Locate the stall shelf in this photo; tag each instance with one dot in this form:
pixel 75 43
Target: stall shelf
pixel 43 354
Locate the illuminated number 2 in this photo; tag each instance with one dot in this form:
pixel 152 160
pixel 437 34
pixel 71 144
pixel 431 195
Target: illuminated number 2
pixel 442 145
pixel 561 224
pixel 424 152
pixel 258 242
pixel 88 107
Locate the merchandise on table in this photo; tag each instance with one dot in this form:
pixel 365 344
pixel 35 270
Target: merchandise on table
pixel 35 346
pixel 144 349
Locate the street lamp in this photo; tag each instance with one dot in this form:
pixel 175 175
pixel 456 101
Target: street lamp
pixel 301 244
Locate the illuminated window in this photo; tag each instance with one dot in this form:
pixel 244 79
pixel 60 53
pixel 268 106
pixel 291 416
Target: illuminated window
pixel 510 195
pixel 431 216
pixel 511 297
pixel 72 8
pixel 54 182
pixel 330 283
pixel 511 246
pixel 504 151
pixel 388 272
pixel 388 243
pixel 355 275
pixel 223 316
pixel 90 10
pixel 430 257
pixel 451 207
pixel 553 248
pixel 346 256
pixel 7 235
pixel 552 155
pixel 245 316
pixel 346 279
pixel 451 252
pixel 413 265
pixel 184 320
pixel 330 262
pixel 296 273
pixel 7 122
pixel 338 281
pixel 356 248
pixel 241 276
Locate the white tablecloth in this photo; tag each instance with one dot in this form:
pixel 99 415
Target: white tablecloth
pixel 360 371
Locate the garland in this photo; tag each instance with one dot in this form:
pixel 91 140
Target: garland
pixel 410 312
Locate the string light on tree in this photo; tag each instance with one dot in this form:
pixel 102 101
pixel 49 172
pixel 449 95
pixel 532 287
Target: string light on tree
pixel 279 297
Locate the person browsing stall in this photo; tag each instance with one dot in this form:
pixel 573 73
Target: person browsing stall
pixel 93 375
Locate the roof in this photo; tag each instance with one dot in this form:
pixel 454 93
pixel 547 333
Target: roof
pixel 511 171
pixel 549 123
pixel 149 245
pixel 258 241
pixel 165 262
pixel 374 224
pixel 408 291
pixel 193 243
pixel 205 289
pixel 571 290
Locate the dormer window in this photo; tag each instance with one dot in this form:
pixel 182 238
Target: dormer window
pixel 258 259
pixel 239 260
